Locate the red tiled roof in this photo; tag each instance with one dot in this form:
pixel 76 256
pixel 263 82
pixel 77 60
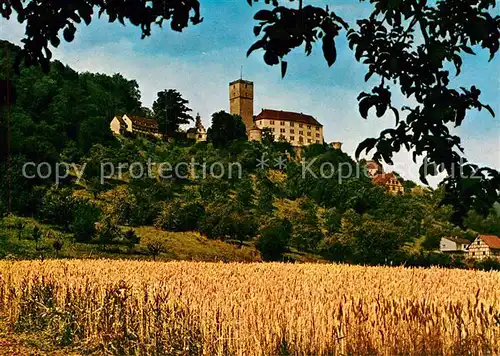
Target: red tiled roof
pixel 491 240
pixel 142 122
pixel 383 178
pixel 269 114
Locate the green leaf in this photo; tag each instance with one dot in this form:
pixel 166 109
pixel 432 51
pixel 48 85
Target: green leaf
pixel 85 13
pixel 284 66
pixel 365 105
pixel 256 45
pixel 487 107
pixel 422 172
pixel 367 145
pixel 368 75
pixel 381 109
pixel 69 33
pixel 467 49
pixel 329 50
pixel 264 15
pixel 271 58
pixel 55 41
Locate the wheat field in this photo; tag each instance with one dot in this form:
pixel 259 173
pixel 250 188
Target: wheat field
pixel 191 308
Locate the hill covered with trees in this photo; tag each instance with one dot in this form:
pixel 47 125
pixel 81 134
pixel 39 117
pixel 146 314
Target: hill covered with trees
pixel 63 116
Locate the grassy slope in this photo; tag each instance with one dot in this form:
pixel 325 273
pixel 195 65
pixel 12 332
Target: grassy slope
pixel 179 246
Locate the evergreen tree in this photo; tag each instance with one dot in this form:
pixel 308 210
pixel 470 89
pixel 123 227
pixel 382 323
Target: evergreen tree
pixel 170 110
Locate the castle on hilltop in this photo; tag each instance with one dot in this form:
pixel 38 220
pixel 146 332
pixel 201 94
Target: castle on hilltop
pixel 296 128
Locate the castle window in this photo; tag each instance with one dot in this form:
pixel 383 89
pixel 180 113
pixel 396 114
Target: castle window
pixel 271 122
pixel 309 141
pixel 282 123
pixel 292 138
pixel 317 141
pixel 301 139
pixel 300 125
pixel 292 131
pixel 309 127
pixel 317 135
pixel 308 133
pixel 292 124
pixel 301 132
pixel 282 130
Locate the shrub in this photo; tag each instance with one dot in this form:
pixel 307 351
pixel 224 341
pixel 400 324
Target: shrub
pixel 274 239
pixel 143 207
pixel 307 237
pixel 337 247
pixel 488 264
pixel 58 205
pixel 177 216
pixel 223 221
pixel 86 216
pixel 19 226
pixel 131 238
pixel 306 231
pixel 57 245
pixel 36 235
pixel 107 232
pixel 332 220
pixel 121 205
pixel 156 247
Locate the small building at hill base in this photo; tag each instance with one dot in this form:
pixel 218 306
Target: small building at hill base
pixel 485 246
pixel 390 182
pixel 453 245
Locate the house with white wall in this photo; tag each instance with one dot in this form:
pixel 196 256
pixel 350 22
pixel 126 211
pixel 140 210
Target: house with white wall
pixel 451 244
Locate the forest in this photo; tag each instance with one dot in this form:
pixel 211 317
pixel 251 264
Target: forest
pixel 64 116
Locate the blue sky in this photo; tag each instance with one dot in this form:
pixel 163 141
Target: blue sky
pixel 201 61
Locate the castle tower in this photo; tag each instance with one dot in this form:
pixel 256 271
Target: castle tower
pixel 241 101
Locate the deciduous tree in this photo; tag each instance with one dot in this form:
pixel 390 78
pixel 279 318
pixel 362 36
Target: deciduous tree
pixel 225 129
